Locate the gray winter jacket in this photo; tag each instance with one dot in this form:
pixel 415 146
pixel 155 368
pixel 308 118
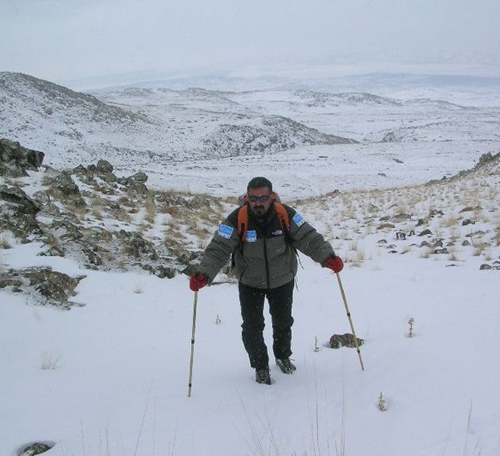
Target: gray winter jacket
pixel 267 258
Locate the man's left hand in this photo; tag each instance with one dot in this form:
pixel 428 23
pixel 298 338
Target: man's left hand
pixel 334 263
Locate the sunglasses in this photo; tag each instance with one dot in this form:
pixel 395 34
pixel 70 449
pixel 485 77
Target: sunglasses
pixel 262 198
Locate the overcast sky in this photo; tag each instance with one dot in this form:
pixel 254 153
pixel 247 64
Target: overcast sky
pixel 65 39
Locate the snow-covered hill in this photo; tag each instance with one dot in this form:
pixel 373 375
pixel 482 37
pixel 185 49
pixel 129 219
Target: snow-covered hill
pixel 147 132
pixel 185 139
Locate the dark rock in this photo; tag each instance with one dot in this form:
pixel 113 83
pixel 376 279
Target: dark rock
pixel 18 213
pixel 475 233
pixel 66 185
pixel 80 170
pixel 140 178
pixel 485 158
pixel 134 245
pixel 52 287
pixel 34 449
pixel 41 197
pixel 16 159
pixel 103 166
pixel 93 258
pixel 400 218
pixel 55 286
pixel 135 182
pixel 163 272
pixel 344 340
pixel 488 267
pixel 385 226
pixel 19 198
pixel 425 233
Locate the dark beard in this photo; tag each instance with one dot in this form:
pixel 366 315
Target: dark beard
pixel 260 214
pixel 263 217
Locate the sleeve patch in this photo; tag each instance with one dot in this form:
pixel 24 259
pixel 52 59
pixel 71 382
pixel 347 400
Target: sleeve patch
pixel 225 231
pixel 298 219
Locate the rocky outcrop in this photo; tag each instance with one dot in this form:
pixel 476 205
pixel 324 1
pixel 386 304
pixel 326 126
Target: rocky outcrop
pixel 46 286
pixel 267 135
pixel 16 159
pixel 18 213
pixel 136 182
pixel 88 214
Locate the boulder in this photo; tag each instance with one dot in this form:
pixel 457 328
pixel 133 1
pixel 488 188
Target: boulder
pixel 136 182
pixel 15 159
pixel 36 448
pixel 47 286
pixel 104 166
pixel 18 213
pixel 344 340
pixel 66 185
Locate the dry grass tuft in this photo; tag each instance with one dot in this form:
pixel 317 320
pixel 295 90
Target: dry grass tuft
pixel 150 207
pixel 49 361
pixel 6 241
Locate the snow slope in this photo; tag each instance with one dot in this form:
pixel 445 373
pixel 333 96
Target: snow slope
pixel 111 377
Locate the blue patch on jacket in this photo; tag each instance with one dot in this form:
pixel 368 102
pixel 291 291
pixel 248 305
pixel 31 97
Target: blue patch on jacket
pixel 225 231
pixel 298 219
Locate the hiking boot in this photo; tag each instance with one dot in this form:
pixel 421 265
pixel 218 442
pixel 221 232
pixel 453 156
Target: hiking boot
pixel 285 365
pixel 263 376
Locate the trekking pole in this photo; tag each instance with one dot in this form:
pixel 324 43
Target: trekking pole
pixel 350 320
pixel 195 305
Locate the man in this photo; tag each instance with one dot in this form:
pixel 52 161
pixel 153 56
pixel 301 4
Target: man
pixel 263 236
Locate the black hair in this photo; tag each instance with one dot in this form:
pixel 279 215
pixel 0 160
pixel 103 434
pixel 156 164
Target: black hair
pixel 258 182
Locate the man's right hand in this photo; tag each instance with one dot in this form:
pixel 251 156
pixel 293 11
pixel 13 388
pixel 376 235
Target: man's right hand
pixel 198 281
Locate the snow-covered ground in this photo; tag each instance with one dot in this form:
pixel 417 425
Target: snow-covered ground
pixel 119 384
pixel 111 377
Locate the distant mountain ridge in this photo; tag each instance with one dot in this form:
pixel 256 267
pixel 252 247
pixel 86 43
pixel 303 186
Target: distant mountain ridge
pixel 82 127
pixel 183 137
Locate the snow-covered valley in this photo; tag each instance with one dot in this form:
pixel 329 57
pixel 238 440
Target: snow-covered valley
pixel 180 138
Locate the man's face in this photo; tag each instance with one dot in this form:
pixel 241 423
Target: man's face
pixel 259 200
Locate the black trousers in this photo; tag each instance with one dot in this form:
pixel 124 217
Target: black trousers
pixel 252 311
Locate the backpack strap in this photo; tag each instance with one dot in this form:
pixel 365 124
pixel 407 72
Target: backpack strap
pixel 283 215
pixel 243 222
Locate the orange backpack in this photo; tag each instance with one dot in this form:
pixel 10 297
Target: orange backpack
pixel 243 216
